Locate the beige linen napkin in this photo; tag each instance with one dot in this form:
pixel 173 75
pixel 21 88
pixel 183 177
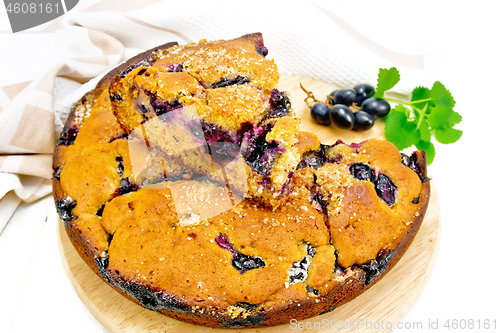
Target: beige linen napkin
pixel 304 38
pixel 29 121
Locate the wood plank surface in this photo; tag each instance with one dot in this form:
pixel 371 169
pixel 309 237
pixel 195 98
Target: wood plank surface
pixel 376 310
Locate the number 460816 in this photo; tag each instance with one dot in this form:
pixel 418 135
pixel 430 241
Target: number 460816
pixel 471 324
pixel 32 8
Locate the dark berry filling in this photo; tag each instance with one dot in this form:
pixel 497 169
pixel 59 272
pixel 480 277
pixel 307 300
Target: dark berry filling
pixel 64 209
pixel 100 210
pixel 311 251
pixel 385 189
pixel 148 301
pixel 311 290
pixel 280 105
pixel 375 267
pixel 372 270
pixel 321 201
pixel 196 130
pixel 134 66
pixel 418 167
pixel 356 146
pixel 115 97
pixel 126 186
pixel 405 159
pixel 337 270
pixel 260 48
pixel 120 166
pixel 223 151
pixel 175 68
pixel 120 136
pixel 148 297
pixel 214 133
pixel 224 243
pixel 247 306
pixel 163 107
pixel 244 263
pixel 298 272
pixel 222 146
pixel 285 190
pixel 416 200
pixel 245 127
pixel 102 262
pixel 225 82
pixel 384 256
pixel 253 320
pixel 362 171
pixel 316 159
pixel 57 173
pixel 264 158
pixel 258 152
pixel 338 142
pixel 240 261
pixel 171 177
pixel 310 159
pixel 143 108
pixel 414 163
pixel 68 136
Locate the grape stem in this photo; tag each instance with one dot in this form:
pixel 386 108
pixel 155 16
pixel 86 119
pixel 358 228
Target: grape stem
pixel 310 95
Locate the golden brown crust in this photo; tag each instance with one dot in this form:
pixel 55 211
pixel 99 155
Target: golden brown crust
pixel 355 204
pixel 197 250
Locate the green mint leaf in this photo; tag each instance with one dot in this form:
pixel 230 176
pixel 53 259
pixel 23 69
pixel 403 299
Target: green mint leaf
pixel 441 96
pixel 429 114
pixel 398 130
pixel 387 78
pixel 425 131
pixel 430 151
pixel 440 116
pixel 455 118
pixel 420 93
pixel 401 108
pixel 447 135
pixel 394 121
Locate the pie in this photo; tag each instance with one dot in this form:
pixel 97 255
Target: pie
pixel 184 182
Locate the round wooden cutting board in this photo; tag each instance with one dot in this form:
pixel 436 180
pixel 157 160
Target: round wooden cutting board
pixel 382 306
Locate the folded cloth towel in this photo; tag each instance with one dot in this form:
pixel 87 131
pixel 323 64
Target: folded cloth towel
pixel 308 38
